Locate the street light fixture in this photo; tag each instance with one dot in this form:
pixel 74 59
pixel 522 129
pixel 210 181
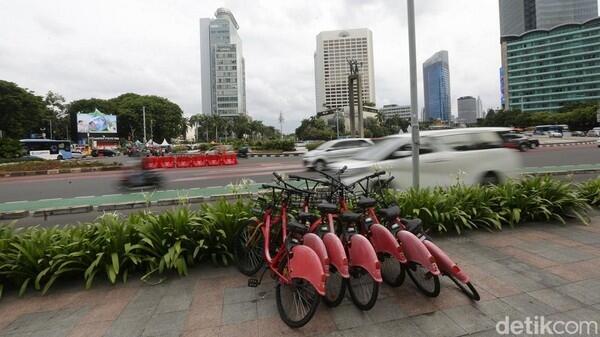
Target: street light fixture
pixel 414 121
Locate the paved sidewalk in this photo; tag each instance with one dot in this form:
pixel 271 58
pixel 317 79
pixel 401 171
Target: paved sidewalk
pixel 539 269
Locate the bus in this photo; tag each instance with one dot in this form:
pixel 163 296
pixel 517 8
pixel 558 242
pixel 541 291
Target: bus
pixel 48 149
pixel 545 129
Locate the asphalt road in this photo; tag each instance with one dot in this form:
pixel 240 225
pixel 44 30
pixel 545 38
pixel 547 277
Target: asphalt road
pixel 256 169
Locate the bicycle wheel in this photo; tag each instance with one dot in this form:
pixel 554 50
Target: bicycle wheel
pixel 247 249
pixel 363 288
pixel 466 288
pixel 296 302
pixel 426 282
pixel 392 271
pixel 335 288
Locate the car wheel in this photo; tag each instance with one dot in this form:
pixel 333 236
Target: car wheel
pixel 532 145
pixel 490 178
pixel 523 147
pixel 320 165
pixel 59 157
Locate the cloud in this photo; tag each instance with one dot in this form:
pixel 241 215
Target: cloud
pixel 84 49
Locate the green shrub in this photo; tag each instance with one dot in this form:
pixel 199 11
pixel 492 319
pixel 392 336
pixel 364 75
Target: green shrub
pixel 10 148
pixel 590 191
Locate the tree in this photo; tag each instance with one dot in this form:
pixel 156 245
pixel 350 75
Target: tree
pixel 57 113
pixel 21 111
pixel 314 128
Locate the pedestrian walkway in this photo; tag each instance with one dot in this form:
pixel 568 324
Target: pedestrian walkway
pixel 536 270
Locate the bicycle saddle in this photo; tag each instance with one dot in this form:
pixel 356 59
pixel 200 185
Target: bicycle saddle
pixel 366 202
pixel 326 207
pixel 296 227
pixel 350 217
pixel 414 226
pixel 305 217
pixel 390 213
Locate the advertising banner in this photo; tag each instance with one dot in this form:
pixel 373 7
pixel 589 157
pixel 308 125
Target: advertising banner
pixel 96 122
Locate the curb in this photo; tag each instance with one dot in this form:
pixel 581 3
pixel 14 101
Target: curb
pixel 60 171
pixel 63 211
pixel 567 144
pixel 274 155
pixel 14 215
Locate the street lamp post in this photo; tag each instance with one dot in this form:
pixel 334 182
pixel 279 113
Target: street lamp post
pixel 414 121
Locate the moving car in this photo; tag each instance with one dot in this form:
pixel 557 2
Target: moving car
pixel 595 132
pixel 598 142
pixel 555 134
pixel 519 141
pixel 578 134
pixel 104 153
pixel 468 155
pixel 334 151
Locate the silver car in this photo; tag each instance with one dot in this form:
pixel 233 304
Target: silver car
pixel 334 151
pixel 469 156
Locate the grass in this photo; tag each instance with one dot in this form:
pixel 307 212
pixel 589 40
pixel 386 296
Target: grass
pixel 50 165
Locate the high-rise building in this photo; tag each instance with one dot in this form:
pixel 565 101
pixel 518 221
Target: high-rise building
pixel 436 86
pixel 520 16
pixel 467 109
pixel 549 69
pixel 223 67
pixel 395 110
pixel 334 49
pixel 548 50
pixel 480 111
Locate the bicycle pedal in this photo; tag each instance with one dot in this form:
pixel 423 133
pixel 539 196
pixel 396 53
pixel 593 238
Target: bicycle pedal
pixel 253 282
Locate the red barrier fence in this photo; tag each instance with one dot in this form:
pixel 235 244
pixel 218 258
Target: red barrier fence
pixel 194 160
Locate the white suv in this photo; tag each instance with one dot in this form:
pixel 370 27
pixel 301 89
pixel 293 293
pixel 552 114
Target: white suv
pixel 334 151
pixel 469 155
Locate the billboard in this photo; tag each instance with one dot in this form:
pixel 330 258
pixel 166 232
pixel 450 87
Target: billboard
pixel 96 122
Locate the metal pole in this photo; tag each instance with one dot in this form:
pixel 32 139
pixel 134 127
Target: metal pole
pixel 144 119
pixel 151 129
pixel 414 122
pixel 51 133
pixel 337 122
pixel 361 128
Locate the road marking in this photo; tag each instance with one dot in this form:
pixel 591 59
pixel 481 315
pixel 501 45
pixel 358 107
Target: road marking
pixel 51 199
pixel 15 202
pixel 85 197
pixel 113 195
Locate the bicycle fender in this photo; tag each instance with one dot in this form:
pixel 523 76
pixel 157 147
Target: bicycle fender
pixel 416 251
pixel 314 242
pixel 362 254
pixel 445 263
pixel 384 242
pixel 305 264
pixel 336 253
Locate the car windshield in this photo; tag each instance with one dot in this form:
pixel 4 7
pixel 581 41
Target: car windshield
pixel 325 145
pixel 381 150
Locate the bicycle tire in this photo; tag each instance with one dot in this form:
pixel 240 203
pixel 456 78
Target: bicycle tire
pixel 435 279
pixel 469 290
pixel 393 272
pixel 332 299
pixel 249 260
pixel 312 302
pixel 369 300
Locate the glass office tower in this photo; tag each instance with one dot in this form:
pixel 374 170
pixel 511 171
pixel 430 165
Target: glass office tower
pixel 436 86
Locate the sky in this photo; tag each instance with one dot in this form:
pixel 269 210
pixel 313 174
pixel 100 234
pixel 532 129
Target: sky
pixel 103 48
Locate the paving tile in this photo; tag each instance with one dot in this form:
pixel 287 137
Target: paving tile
pixel 556 299
pixel 411 302
pixel 178 302
pixel 399 328
pixel 90 329
pixel 584 314
pixel 239 295
pixel 205 332
pixel 348 316
pixel 497 310
pixel 239 312
pixel 386 309
pixel 203 317
pixel 104 312
pixel 29 322
pixel 438 324
pixel 469 318
pixel 497 287
pixel 246 329
pixel 532 259
pixel 266 308
pixel 529 305
pixel 587 291
pixel 165 324
pixel 127 327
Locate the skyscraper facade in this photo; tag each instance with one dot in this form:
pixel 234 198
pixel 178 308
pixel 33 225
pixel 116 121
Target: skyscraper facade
pixel 436 86
pixel 223 67
pixel 520 16
pixel 334 49
pixel 395 110
pixel 467 109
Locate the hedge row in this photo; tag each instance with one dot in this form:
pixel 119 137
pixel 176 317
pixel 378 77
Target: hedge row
pixel 153 245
